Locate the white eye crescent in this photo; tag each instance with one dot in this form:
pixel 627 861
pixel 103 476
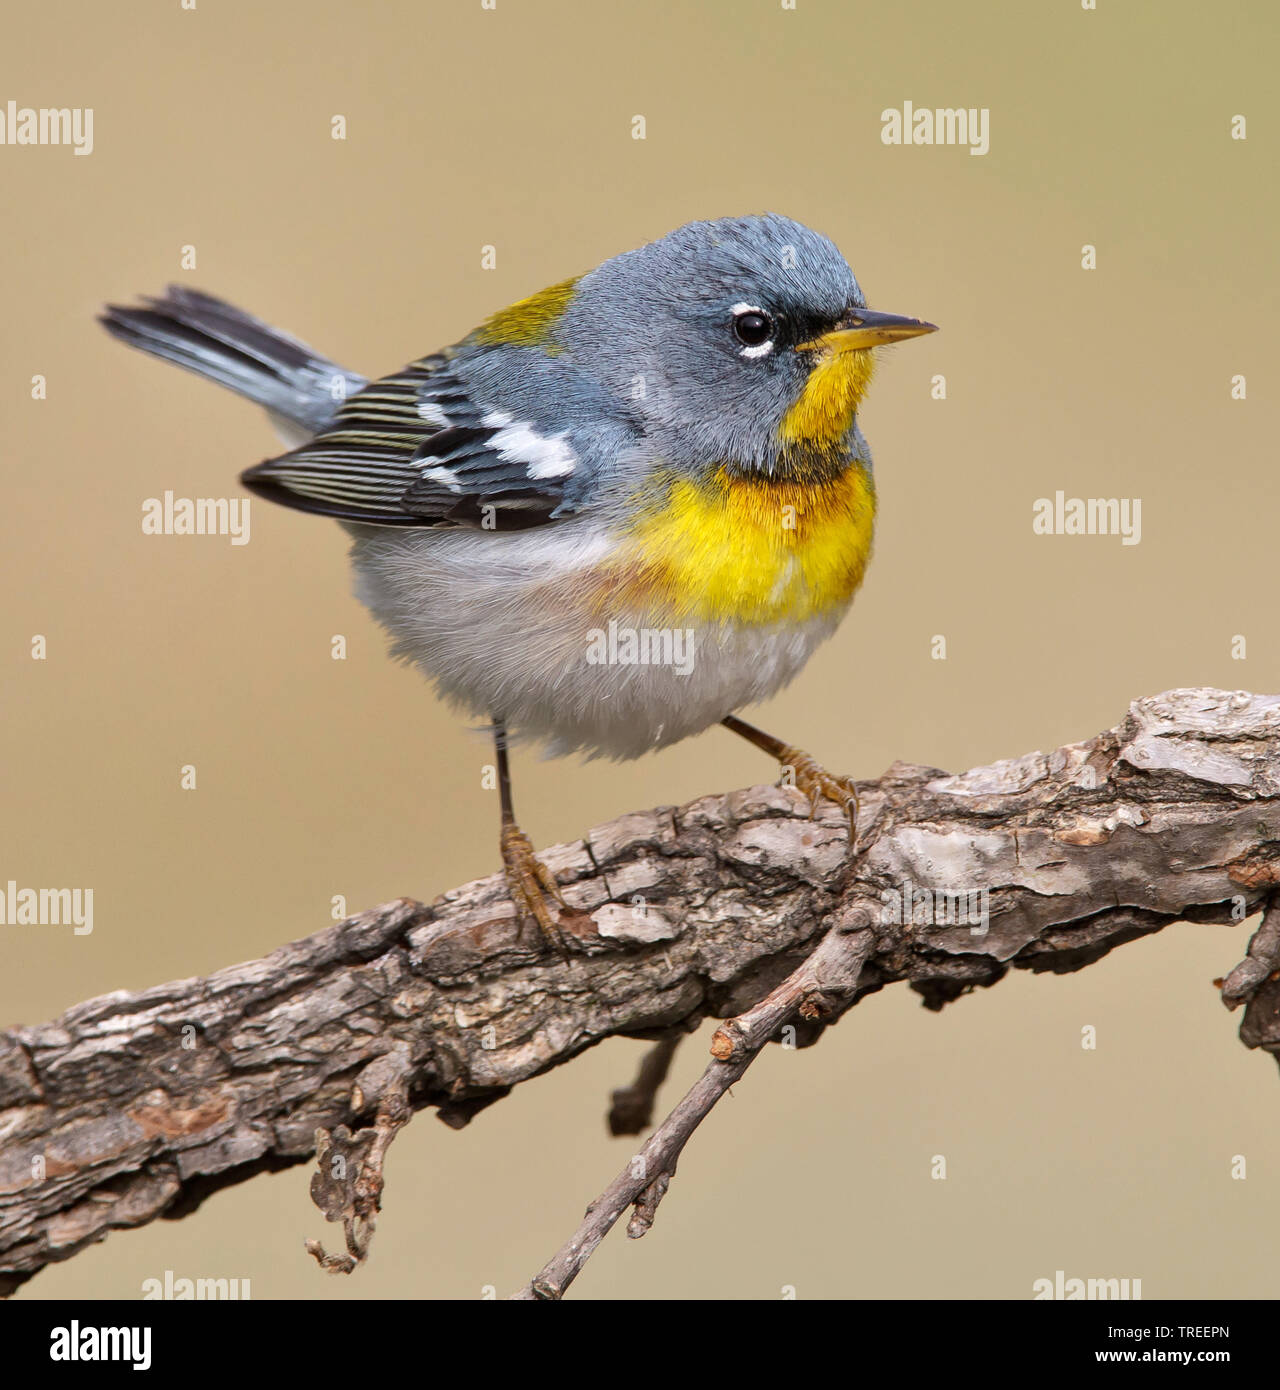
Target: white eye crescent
pixel 754 329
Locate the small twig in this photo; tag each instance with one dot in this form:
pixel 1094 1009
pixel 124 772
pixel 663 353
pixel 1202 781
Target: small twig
pixel 631 1107
pixel 828 978
pixel 348 1184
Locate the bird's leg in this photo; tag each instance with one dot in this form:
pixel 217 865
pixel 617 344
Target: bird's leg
pixel 529 881
pixel 800 770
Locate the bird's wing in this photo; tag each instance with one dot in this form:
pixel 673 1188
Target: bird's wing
pixel 433 445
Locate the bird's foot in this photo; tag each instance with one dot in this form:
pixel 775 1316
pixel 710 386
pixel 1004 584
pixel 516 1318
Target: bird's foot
pixel 530 883
pixel 801 771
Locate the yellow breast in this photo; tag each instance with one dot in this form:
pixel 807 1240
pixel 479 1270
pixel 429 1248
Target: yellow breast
pixel 749 550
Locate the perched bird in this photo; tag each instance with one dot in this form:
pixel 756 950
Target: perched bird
pixel 615 513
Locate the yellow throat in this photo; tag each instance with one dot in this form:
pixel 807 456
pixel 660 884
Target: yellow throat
pixel 824 413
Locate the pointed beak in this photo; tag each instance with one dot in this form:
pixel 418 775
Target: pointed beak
pixel 864 328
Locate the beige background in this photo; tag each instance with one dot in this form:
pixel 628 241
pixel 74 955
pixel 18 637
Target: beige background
pixel 318 777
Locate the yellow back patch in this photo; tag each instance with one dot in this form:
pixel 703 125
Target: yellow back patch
pixel 528 322
pixel 750 550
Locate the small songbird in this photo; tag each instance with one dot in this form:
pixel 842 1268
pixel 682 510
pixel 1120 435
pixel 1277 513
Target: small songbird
pixel 615 513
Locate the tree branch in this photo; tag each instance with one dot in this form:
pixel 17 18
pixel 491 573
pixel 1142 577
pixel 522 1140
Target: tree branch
pixel 134 1106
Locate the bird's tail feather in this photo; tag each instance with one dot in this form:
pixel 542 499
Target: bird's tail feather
pixel 216 340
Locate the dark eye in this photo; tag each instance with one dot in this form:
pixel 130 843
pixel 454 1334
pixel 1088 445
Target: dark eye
pixel 752 327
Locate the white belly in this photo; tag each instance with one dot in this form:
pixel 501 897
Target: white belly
pixel 492 620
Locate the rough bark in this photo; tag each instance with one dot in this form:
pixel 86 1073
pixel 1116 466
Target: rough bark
pixel 137 1105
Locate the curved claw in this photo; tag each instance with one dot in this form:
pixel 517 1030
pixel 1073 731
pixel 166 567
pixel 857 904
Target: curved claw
pixel 818 784
pixel 530 883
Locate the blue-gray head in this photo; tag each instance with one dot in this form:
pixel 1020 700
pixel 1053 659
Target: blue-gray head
pixel 743 340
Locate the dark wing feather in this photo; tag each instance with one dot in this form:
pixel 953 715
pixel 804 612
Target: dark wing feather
pixel 412 449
